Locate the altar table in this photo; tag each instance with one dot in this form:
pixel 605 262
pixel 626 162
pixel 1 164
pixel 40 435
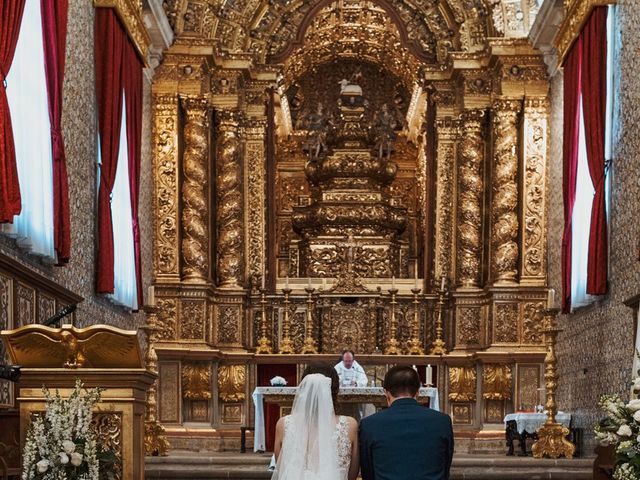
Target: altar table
pixel 522 425
pixel 285 395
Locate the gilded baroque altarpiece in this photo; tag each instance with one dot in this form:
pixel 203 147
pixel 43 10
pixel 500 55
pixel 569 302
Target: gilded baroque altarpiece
pixel 322 170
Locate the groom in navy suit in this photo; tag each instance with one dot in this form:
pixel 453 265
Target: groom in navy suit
pixel 406 441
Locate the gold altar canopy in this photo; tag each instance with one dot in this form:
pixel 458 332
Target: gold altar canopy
pixel 348 173
pixel 100 356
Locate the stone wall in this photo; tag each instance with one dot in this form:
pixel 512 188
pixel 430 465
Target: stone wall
pixel 595 350
pixel 79 125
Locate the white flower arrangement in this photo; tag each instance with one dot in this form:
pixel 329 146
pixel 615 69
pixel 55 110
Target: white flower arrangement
pixel 278 381
pixel 621 428
pixel 61 444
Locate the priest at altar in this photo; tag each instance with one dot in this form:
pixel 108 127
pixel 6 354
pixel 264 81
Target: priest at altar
pixel 350 372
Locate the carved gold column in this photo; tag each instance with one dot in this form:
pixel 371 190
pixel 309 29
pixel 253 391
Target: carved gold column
pixel 533 229
pixel 255 199
pixel 470 191
pixel 195 200
pixel 166 261
pixel 447 131
pixel 229 194
pixel 155 441
pixel 552 441
pixel 504 213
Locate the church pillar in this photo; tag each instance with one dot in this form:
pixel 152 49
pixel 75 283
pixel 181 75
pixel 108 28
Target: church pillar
pixel 254 152
pixel 229 216
pixel 195 199
pixel 532 231
pixel 470 192
pixel 504 206
pixel 447 131
pixel 166 261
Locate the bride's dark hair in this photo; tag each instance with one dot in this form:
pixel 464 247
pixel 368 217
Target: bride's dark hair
pixel 328 371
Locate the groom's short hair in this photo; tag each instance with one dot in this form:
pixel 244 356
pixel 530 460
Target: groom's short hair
pixel 402 381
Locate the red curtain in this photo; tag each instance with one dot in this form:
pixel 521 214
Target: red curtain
pixel 571 131
pixel 10 20
pixel 54 36
pixel 272 411
pixel 133 102
pixel 110 39
pixel 594 96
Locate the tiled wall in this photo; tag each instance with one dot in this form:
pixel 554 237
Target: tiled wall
pixel 595 350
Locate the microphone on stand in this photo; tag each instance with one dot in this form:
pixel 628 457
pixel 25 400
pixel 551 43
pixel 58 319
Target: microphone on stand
pixel 60 315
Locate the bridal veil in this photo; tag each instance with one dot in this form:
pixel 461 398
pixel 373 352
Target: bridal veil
pixel 309 443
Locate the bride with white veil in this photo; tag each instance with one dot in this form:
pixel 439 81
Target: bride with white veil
pixel 313 443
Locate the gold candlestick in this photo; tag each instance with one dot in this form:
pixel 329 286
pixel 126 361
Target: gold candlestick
pixel 309 346
pixel 264 344
pixel 552 441
pixel 438 345
pixel 286 344
pixel 415 344
pixel 393 347
pixel 155 441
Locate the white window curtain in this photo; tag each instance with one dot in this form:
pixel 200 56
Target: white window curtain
pixel 28 103
pixel 581 221
pixel 124 269
pixel 580 225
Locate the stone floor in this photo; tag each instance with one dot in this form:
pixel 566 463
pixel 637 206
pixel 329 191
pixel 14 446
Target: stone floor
pixel 189 466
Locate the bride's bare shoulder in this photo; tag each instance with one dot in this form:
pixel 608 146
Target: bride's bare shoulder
pixel 351 422
pixel 281 422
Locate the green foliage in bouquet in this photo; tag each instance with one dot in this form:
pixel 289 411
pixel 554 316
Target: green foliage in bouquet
pixel 621 428
pixel 61 444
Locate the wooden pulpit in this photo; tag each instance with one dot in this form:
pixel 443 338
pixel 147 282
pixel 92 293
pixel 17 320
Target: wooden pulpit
pixel 100 356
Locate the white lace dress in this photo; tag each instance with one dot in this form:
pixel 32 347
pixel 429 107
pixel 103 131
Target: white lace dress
pixel 342 443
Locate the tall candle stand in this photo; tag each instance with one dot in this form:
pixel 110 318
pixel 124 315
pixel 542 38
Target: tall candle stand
pixel 552 441
pixel 286 344
pixel 264 344
pixel 393 347
pixel 155 441
pixel 309 345
pixel 415 344
pixel 438 346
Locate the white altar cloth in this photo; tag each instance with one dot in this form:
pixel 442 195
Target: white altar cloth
pixel 531 422
pixel 346 395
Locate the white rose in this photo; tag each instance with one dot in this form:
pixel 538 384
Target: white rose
pixel 64 458
pixel 636 416
pixel 68 446
pixel 76 459
pixel 624 431
pixel 42 465
pixel 634 405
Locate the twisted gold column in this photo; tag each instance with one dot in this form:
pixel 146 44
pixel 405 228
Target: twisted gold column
pixel 552 441
pixel 504 213
pixel 470 191
pixel 229 193
pixel 195 210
